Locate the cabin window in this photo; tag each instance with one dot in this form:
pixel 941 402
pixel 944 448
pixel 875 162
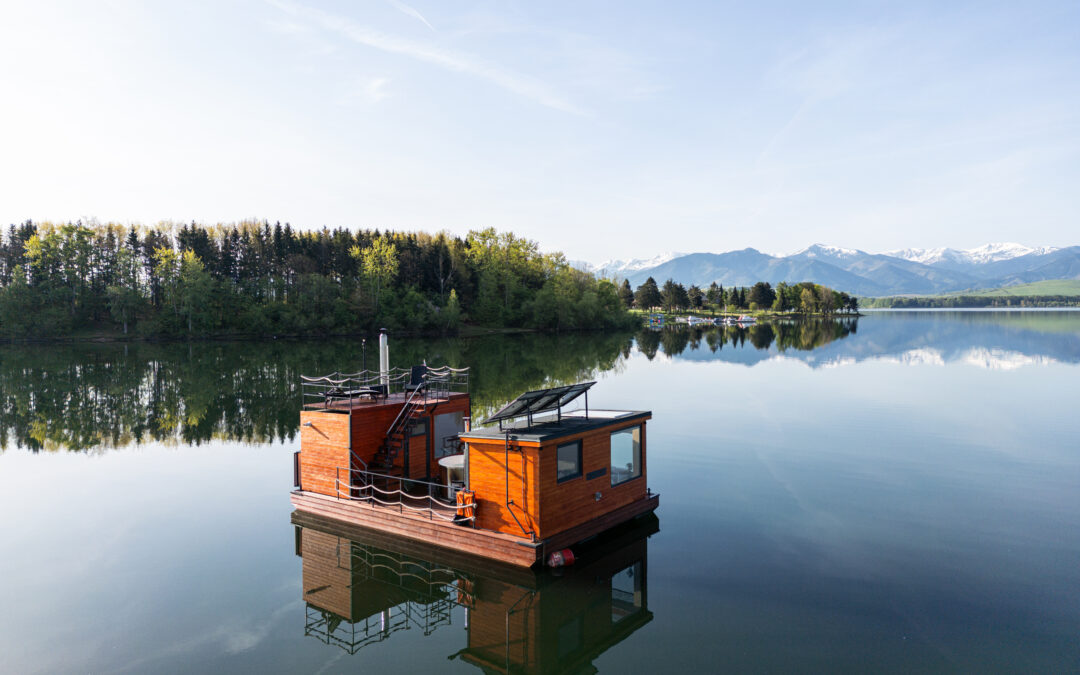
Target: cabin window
pixel 625 455
pixel 447 428
pixel 568 458
pixel 419 428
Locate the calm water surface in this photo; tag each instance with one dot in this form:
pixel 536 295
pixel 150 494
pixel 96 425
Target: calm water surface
pixel 896 494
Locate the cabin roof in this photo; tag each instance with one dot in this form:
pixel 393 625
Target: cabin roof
pixel 551 428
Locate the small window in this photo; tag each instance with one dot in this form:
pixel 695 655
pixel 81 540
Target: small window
pixel 419 428
pixel 625 455
pixel 568 458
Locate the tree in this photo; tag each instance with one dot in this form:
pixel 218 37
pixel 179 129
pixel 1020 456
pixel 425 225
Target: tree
pixel 734 301
pixel 762 294
pixel 647 295
pixel 673 296
pixel 807 301
pixel 451 313
pixel 715 295
pixel 379 263
pixel 696 296
pixel 625 294
pixel 194 287
pixel 124 297
pixel 780 303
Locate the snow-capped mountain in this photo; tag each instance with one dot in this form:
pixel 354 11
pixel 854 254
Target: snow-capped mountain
pixel 623 268
pixel 908 271
pixel 987 253
pixel 829 252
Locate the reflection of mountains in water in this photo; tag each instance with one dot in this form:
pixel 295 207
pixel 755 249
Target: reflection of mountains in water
pixel 361 587
pixel 994 340
pixel 98 396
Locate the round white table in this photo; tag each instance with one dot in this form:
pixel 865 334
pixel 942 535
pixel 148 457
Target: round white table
pixel 455 471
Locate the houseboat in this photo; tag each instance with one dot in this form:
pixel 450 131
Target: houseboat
pixel 395 451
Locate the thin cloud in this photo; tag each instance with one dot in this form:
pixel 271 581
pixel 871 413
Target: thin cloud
pixel 410 11
pixel 522 85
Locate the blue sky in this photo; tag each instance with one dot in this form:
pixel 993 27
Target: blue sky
pixel 614 129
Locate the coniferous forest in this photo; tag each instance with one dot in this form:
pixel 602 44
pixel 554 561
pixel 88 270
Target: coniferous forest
pixel 254 278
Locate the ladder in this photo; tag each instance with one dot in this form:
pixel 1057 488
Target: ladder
pixel 397 436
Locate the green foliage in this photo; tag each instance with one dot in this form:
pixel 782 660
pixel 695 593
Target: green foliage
pixel 647 295
pixel 626 295
pixel 673 296
pixel 91 396
pixel 254 278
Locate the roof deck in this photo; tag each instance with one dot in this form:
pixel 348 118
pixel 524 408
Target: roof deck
pixel 556 426
pixel 370 389
pixel 354 403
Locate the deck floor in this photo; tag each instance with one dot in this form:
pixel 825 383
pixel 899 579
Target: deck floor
pixel 484 543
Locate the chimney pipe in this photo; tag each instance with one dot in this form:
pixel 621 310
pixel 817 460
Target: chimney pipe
pixel 384 359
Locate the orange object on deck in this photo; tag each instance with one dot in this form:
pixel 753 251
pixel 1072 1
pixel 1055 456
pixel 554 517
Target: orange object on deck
pixel 465 501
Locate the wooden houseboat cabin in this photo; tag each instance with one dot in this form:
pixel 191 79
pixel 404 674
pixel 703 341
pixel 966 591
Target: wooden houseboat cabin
pixel 395 451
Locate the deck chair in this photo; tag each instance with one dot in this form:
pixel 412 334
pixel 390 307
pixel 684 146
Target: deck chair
pixel 416 378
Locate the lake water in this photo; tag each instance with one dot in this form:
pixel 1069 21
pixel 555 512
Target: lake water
pixel 897 493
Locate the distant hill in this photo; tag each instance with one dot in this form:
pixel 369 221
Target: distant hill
pixel 906 272
pixel 1038 289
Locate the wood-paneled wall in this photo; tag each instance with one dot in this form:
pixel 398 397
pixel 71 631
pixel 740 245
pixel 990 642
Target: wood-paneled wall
pixel 489 479
pixel 545 505
pixel 324 446
pixel 573 502
pixel 369 427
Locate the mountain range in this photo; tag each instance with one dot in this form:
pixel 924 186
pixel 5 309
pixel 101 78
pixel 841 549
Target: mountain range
pixel 902 272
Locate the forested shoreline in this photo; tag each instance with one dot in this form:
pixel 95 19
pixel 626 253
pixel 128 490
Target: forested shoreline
pixel 802 298
pixel 258 279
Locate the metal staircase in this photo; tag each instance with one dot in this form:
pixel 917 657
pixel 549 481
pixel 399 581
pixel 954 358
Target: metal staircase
pixel 397 436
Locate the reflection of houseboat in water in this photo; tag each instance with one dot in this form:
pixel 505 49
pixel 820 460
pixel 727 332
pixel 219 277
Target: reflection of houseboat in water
pixel 361 586
pixel 374 449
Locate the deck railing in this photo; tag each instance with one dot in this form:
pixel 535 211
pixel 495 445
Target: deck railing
pixel 418 497
pixel 337 387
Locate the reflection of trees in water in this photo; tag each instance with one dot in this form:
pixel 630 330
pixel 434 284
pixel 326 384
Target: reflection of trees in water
pixel 99 396
pixel 803 334
pixel 88 396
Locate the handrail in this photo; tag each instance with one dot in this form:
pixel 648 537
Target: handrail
pixel 339 386
pixel 349 487
pixel 403 412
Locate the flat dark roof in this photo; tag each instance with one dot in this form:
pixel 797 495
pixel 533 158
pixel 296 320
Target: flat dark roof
pixel 552 428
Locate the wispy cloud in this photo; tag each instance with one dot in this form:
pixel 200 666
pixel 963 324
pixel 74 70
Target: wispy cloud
pixel 517 83
pixel 375 89
pixel 410 11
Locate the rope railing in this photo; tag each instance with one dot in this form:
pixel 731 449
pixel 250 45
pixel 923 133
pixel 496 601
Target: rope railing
pixel 339 387
pixel 436 507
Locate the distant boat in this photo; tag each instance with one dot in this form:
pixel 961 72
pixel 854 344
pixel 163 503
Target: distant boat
pixel 744 319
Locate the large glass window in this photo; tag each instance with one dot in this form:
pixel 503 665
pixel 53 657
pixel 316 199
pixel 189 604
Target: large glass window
pixel 447 428
pixel 568 458
pixel 625 455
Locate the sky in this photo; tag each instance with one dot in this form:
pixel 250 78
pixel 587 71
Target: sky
pixel 600 129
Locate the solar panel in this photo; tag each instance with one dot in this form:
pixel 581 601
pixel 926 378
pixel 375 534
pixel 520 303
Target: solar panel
pixel 541 400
